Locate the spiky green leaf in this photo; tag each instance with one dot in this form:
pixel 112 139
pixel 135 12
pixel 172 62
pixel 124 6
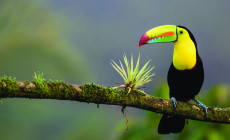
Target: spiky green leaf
pixel 133 78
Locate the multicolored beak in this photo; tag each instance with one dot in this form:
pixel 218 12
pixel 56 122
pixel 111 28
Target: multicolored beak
pixel 165 33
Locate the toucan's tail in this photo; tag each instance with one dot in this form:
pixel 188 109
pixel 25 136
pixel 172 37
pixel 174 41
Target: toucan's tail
pixel 171 124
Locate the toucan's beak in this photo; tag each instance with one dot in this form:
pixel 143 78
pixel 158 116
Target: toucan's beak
pixel 165 33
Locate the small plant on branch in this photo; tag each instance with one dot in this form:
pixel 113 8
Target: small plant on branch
pixel 133 77
pixel 38 77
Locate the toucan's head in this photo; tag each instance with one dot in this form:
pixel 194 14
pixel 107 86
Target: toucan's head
pixel 166 33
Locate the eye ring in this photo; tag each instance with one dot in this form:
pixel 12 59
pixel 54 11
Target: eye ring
pixel 181 32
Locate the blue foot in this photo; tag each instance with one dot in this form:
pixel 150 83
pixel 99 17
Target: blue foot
pixel 174 102
pixel 202 105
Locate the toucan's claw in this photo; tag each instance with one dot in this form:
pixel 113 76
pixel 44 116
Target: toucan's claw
pixel 174 101
pixel 202 105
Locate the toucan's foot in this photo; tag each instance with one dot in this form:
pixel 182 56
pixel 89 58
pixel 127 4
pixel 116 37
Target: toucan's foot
pixel 202 105
pixel 174 102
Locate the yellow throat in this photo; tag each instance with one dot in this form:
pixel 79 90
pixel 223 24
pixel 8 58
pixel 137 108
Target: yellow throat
pixel 184 55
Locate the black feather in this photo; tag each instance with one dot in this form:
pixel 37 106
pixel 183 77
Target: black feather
pixel 171 124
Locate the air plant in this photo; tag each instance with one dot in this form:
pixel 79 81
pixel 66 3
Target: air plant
pixel 133 77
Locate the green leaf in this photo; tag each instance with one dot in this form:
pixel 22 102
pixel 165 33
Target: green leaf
pixel 118 69
pixel 133 78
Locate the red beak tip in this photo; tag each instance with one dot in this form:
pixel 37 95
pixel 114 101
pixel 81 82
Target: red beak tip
pixel 143 39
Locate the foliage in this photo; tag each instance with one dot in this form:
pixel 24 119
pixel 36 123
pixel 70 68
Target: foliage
pixel 38 77
pixel 11 82
pixel 133 77
pixel 194 130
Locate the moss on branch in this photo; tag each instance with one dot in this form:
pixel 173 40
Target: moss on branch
pixel 92 93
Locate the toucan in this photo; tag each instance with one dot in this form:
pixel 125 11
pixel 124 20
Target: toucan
pixel 185 75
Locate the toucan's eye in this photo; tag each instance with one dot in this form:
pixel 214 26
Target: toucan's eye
pixel 181 32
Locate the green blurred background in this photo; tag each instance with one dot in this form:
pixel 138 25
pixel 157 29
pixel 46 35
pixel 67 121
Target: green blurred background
pixel 75 41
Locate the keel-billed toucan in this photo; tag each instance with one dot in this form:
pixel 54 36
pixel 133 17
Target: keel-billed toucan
pixel 185 75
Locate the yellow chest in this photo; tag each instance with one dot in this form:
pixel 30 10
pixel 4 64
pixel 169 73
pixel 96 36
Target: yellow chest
pixel 184 55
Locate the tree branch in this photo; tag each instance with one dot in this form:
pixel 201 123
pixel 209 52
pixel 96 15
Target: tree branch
pixel 92 93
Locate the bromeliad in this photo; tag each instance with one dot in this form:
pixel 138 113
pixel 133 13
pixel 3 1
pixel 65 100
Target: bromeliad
pixel 133 77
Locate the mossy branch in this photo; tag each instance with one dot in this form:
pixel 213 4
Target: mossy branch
pixel 92 93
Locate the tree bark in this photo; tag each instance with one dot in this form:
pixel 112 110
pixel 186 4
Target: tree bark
pixel 92 93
